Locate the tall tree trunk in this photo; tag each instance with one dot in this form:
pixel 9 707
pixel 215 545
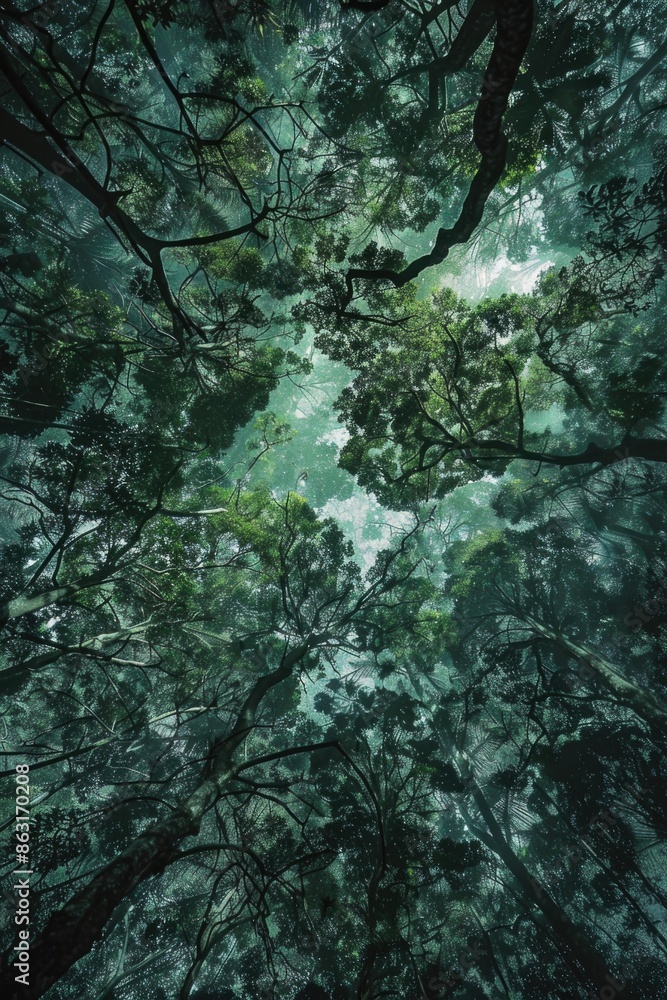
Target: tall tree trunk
pixel 610 872
pixel 642 702
pixel 577 951
pixel 71 932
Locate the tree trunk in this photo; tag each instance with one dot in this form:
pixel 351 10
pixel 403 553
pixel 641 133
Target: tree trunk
pixel 71 932
pixel 23 605
pixel 642 702
pixel 578 952
pixel 611 873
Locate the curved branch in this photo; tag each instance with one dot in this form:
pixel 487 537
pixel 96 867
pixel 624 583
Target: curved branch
pixel 514 21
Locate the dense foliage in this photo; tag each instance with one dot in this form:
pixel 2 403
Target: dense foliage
pixel 333 378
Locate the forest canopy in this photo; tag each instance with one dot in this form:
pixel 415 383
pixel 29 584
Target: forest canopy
pixel 333 386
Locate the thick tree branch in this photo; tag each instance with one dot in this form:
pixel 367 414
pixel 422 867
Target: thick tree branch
pixel 514 22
